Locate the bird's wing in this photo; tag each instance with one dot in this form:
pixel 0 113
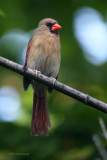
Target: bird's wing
pixel 28 50
pixel 26 80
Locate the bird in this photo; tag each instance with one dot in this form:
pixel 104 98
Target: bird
pixel 43 56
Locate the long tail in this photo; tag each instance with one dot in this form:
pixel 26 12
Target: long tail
pixel 40 115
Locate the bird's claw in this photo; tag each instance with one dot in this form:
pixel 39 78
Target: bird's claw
pixel 37 72
pixel 53 80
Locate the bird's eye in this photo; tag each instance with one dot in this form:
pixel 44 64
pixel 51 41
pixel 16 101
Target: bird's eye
pixel 49 24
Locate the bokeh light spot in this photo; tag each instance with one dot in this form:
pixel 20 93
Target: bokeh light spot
pixel 9 104
pixel 91 32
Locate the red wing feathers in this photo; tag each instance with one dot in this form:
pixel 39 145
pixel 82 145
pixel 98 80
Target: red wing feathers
pixel 28 50
pixel 26 80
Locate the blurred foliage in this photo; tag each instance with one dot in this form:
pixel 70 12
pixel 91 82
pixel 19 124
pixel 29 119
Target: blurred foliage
pixel 73 123
pixel 2 13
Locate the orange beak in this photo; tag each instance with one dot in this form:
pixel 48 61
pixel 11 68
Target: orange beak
pixel 56 27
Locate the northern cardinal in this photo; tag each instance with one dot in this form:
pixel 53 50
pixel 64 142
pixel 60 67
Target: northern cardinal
pixel 43 54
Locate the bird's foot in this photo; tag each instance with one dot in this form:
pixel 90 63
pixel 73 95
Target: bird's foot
pixel 37 72
pixel 53 79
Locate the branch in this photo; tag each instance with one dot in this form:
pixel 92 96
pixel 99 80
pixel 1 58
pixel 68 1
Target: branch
pixel 84 98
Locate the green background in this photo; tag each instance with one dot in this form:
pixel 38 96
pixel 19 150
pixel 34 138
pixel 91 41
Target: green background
pixel 73 123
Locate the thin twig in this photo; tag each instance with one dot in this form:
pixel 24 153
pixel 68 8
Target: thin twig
pixel 100 146
pixel 103 127
pixel 84 98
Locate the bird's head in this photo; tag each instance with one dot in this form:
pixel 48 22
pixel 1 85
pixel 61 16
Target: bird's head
pixel 51 24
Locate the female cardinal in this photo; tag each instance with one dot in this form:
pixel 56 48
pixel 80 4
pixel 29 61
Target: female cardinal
pixel 43 54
